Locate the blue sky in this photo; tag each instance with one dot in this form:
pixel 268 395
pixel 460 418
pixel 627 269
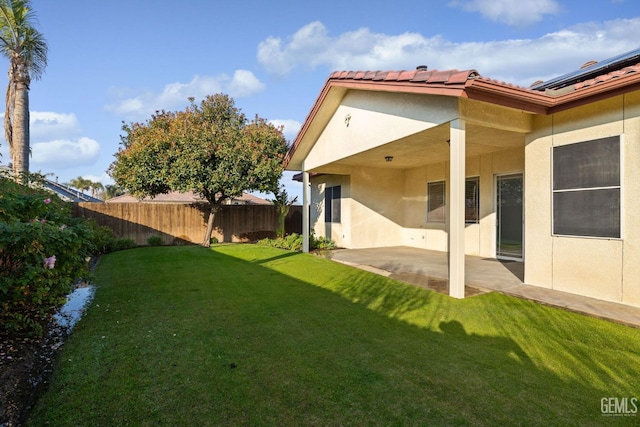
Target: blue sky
pixel 122 60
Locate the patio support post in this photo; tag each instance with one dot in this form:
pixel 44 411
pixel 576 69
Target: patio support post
pixel 456 207
pixel 305 210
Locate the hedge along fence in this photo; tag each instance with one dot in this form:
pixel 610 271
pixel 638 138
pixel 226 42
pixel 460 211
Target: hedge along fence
pixel 186 223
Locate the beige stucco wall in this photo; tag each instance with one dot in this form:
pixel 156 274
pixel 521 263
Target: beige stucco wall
pixel 631 190
pixel 370 214
pixel 601 268
pixel 388 207
pixel 479 238
pixel 365 120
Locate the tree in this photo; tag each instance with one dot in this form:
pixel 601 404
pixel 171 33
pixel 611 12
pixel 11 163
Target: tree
pixel 95 187
pixel 111 191
pixel 80 183
pixel 283 205
pixel 210 149
pixel 26 50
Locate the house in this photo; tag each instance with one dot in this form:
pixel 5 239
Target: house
pixel 65 192
pixel 188 197
pixel 457 162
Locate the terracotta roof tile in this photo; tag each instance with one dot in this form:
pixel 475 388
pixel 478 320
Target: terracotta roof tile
pixel 393 75
pixel 380 75
pixel 186 197
pixel 632 69
pixel 413 76
pixel 406 75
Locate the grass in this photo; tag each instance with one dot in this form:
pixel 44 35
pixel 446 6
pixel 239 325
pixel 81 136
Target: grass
pixel 250 335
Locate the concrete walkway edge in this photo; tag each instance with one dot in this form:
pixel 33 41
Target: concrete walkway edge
pixel 484 274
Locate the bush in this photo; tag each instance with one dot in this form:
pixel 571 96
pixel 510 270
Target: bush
pixel 43 252
pixel 154 241
pixel 122 244
pixel 293 242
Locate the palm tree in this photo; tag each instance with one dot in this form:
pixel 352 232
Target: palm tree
pixel 26 50
pixel 283 205
pixel 111 191
pixel 80 183
pixel 95 186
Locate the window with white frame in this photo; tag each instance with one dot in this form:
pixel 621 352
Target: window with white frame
pixel 437 206
pixel 472 200
pixel 586 188
pixel 436 201
pixel 332 197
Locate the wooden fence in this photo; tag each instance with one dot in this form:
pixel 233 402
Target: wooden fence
pixel 187 223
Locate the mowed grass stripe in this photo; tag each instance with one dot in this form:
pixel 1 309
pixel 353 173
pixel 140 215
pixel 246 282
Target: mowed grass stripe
pixel 249 335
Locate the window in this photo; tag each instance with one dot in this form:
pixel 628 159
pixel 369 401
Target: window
pixel 472 200
pixel 332 197
pixel 586 188
pixel 436 201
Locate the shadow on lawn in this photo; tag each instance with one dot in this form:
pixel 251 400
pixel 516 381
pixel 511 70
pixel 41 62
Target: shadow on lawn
pixel 493 376
pixel 293 339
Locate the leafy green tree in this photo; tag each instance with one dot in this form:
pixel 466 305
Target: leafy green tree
pixel 95 187
pixel 26 50
pixel 111 191
pixel 283 204
pixel 81 183
pixel 211 149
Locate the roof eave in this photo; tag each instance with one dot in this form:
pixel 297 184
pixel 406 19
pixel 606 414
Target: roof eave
pixel 597 92
pixel 508 96
pixel 455 90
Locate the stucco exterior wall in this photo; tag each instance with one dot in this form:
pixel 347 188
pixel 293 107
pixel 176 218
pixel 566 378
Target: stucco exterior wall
pixel 388 207
pixel 366 120
pixel 597 267
pixel 370 213
pixel 479 238
pixel 338 232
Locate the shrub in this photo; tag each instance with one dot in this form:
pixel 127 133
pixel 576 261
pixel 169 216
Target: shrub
pixel 293 242
pixel 154 241
pixel 122 244
pixel 43 252
pixel 321 243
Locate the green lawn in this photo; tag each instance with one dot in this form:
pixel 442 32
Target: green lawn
pixel 250 335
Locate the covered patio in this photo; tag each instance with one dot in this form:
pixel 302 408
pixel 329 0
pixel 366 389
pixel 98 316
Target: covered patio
pixel 429 269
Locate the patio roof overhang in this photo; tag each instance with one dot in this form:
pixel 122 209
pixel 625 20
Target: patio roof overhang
pixel 475 94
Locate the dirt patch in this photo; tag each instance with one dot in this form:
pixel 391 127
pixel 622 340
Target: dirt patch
pixel 25 367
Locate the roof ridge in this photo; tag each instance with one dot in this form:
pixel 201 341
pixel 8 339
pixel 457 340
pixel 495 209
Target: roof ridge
pixel 453 76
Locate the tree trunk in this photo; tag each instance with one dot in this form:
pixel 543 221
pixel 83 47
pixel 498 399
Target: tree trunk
pixel 206 242
pixel 20 130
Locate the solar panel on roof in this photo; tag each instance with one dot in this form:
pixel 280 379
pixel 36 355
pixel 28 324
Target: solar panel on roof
pixel 597 69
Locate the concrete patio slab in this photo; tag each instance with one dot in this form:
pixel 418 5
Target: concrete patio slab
pixel 429 269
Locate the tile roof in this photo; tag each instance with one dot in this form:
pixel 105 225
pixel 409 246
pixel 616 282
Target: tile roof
pixel 632 69
pixel 412 76
pixel 186 197
pixel 593 81
pixel 423 77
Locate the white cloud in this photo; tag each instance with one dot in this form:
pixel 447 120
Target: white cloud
pixel 56 142
pixel 519 61
pixel 291 127
pixel 175 95
pixel 244 83
pixel 517 13
pixel 47 125
pixel 64 153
